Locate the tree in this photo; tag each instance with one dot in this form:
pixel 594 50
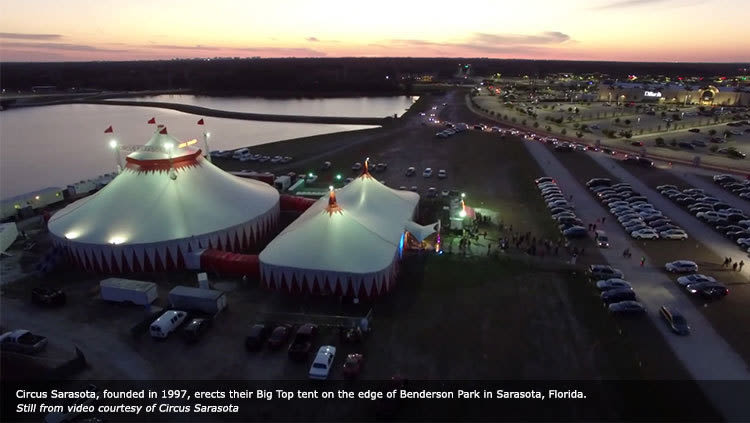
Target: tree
pixel 564 131
pixel 713 148
pixel 579 134
pixel 627 121
pixel 617 120
pixel 523 122
pixel 513 119
pixel 660 142
pixel 712 132
pixel 536 124
pixel 673 143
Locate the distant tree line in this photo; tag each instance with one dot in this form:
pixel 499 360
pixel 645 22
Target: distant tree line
pixel 302 76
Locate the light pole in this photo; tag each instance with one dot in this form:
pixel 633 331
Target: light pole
pixel 116 148
pixel 207 135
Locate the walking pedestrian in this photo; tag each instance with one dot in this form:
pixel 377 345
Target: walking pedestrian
pixel 734 266
pixel 594 227
pixel 557 250
pixel 726 262
pixel 730 260
pixel 589 227
pixel 742 263
pixel 603 219
pixel 643 260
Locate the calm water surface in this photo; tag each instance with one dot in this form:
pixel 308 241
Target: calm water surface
pixel 351 106
pixel 58 145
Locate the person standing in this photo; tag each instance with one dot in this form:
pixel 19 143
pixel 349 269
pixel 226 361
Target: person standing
pixel 603 218
pixel 734 266
pixel 643 260
pixel 742 263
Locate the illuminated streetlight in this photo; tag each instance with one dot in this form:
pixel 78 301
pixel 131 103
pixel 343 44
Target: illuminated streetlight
pixel 338 177
pixel 463 195
pixel 310 175
pixel 71 235
pixel 462 213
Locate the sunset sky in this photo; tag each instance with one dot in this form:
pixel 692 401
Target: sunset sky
pixel 626 30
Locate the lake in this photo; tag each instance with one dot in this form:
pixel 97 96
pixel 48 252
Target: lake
pixel 59 145
pixel 350 106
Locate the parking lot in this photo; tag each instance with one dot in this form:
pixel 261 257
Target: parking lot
pixel 676 131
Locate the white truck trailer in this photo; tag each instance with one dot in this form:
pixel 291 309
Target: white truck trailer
pixel 188 298
pixel 128 290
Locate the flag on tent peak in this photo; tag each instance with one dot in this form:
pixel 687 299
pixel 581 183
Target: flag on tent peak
pixel 152 121
pixel 200 122
pixel 109 130
pixel 163 131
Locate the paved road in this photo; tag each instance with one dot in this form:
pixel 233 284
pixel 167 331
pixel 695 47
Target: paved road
pixel 721 246
pixel 690 176
pixel 704 353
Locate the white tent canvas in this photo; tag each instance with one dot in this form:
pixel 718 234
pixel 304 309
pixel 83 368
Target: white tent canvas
pixel 349 249
pixel 157 218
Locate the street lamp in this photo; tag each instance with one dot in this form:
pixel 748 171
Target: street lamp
pixel 116 148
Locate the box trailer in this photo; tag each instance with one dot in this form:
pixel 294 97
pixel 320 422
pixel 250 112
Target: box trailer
pixel 208 301
pixel 128 290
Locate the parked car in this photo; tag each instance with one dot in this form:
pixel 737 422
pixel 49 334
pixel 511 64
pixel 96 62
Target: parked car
pixel 614 283
pixel 618 294
pixel 645 234
pixel 627 307
pixel 302 342
pixel 279 336
pixel 675 320
pixel 195 329
pixel 694 278
pixel 575 232
pixel 356 166
pixel 48 297
pixel 321 365
pixel 410 171
pixel 442 174
pixel 674 234
pixel 167 323
pixel 603 271
pixel 427 172
pixel 681 266
pixel 353 365
pixel 257 337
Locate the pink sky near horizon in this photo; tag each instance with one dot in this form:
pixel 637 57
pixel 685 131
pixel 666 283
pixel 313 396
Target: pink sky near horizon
pixel 617 30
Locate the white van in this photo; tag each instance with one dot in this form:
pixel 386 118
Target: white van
pixel 167 323
pixel 239 153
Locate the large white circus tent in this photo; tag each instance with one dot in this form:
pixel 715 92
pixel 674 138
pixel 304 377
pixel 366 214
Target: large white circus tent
pixel 345 244
pixel 167 201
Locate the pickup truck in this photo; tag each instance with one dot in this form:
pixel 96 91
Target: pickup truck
pixel 23 341
pixel 302 342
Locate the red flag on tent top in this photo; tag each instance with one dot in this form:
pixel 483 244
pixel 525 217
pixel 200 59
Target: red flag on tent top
pixel 163 131
pixel 152 121
pixel 109 130
pixel 200 122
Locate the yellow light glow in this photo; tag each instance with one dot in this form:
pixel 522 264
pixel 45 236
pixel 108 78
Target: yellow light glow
pixel 117 240
pixel 186 144
pixel 72 235
pixel 37 197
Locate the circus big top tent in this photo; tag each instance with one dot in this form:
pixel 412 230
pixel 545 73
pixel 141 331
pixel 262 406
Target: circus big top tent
pixel 345 244
pixel 166 202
